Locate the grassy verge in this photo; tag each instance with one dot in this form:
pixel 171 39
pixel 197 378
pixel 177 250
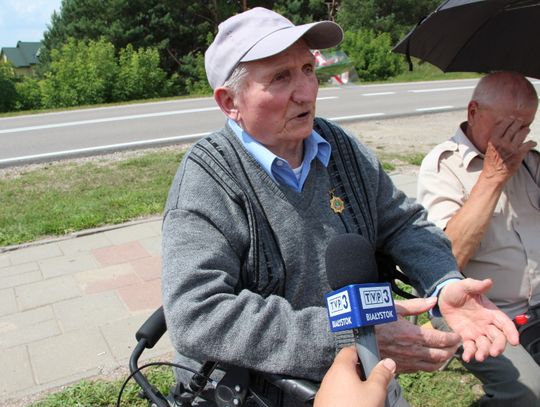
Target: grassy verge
pixel 103 393
pixel 64 197
pixel 424 71
pixel 451 387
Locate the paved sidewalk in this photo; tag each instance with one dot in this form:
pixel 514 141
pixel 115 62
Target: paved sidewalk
pixel 69 308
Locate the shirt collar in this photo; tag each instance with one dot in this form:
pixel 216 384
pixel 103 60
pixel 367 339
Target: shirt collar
pixel 314 147
pixel 466 148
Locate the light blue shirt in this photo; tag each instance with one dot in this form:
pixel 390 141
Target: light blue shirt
pixel 278 168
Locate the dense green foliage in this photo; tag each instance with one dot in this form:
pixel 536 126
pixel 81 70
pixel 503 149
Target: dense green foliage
pixel 80 73
pixel 139 75
pixel 8 93
pixel 87 72
pixel 119 50
pixel 174 27
pixel 370 54
pixel 395 17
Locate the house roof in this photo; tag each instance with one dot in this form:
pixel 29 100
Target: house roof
pixel 23 55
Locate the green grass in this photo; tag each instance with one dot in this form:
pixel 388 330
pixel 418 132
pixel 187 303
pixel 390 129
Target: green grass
pixel 65 197
pixel 424 71
pixel 453 387
pixel 102 393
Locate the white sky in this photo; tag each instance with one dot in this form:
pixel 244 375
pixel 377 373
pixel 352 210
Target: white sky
pixel 25 20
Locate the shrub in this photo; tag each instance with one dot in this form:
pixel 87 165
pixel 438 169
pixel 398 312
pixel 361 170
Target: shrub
pixel 8 92
pixel 139 75
pixel 371 54
pixel 80 73
pixel 29 94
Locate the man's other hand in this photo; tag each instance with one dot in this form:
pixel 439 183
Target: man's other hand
pixel 484 328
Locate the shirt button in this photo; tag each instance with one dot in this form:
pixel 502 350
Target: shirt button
pixel 279 163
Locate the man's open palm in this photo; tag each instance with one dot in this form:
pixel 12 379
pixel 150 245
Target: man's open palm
pixel 484 328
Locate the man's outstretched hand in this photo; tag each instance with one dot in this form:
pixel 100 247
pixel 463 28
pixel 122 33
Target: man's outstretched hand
pixel 484 328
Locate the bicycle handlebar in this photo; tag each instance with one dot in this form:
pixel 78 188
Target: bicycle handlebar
pixel 153 328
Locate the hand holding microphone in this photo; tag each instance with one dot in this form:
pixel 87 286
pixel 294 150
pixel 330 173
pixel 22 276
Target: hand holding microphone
pixel 341 386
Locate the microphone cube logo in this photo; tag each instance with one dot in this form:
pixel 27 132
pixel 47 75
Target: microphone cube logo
pixel 338 303
pixel 375 297
pixel 359 305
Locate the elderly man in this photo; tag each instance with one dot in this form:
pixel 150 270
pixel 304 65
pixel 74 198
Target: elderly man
pixel 254 205
pixel 482 188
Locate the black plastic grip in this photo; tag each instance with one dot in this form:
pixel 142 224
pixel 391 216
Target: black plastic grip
pixel 302 390
pixel 153 328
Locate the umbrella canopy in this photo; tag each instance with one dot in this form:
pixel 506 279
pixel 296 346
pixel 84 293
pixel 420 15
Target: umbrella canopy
pixel 479 36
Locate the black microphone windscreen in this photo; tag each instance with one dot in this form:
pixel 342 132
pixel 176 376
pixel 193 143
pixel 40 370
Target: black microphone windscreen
pixel 350 259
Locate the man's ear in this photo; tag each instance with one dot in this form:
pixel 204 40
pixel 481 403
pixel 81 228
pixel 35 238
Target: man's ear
pixel 226 101
pixel 472 111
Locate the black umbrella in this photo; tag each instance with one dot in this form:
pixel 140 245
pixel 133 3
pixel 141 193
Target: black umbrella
pixel 479 36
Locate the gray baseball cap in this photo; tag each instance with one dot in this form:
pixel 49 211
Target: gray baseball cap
pixel 260 33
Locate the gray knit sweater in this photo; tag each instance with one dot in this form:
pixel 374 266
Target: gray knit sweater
pixel 243 258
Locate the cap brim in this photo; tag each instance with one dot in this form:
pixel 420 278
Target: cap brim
pixel 320 35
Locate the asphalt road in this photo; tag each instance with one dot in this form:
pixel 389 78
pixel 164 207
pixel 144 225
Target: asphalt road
pixel 52 136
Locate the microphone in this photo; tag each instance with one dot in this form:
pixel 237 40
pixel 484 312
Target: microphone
pixel 357 302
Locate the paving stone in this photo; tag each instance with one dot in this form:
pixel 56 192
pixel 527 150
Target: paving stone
pixel 28 326
pixel 67 265
pixel 145 296
pixel 21 279
pixel 120 337
pixel 90 310
pixel 46 292
pixel 407 183
pixel 84 244
pixel 107 278
pixel 4 260
pixel 18 269
pixel 35 253
pixel 123 253
pixel 16 371
pixel 156 225
pixel 63 356
pixel 131 233
pixel 152 245
pixel 8 303
pixel 148 268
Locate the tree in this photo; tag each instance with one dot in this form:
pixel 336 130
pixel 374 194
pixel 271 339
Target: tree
pixel 302 11
pixel 396 17
pixel 174 27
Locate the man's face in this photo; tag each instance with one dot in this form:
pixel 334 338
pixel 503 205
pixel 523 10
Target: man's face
pixel 277 103
pixel 484 119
